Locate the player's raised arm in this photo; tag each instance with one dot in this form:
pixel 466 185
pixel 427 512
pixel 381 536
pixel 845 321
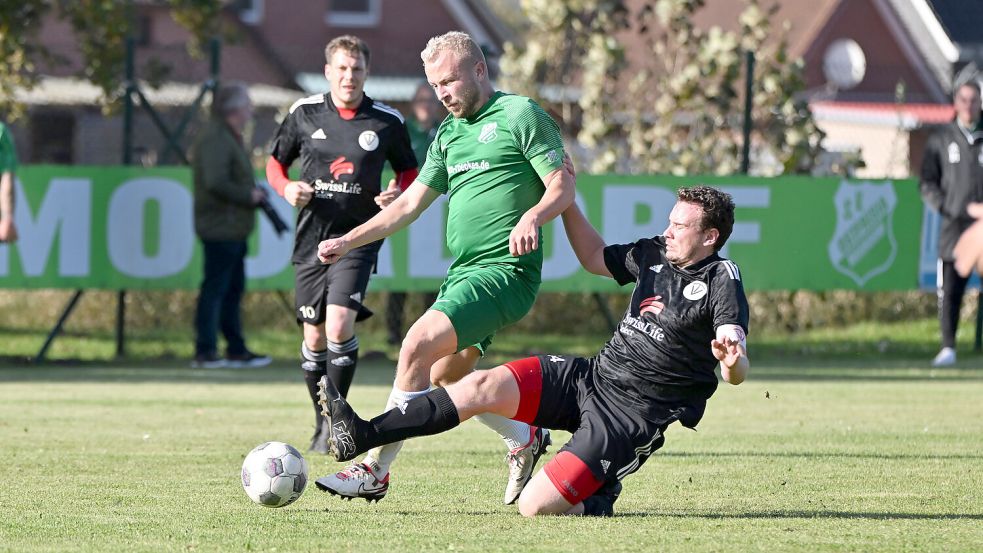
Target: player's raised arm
pixel 729 348
pixel 403 211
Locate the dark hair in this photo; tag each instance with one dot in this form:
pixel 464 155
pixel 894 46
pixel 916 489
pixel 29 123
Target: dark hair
pixel 349 43
pixel 718 210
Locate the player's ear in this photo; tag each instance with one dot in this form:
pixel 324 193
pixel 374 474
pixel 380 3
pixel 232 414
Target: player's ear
pixel 327 72
pixel 711 237
pixel 480 70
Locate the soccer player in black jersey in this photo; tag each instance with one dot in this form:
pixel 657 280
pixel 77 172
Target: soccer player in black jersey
pixel 342 139
pixel 687 314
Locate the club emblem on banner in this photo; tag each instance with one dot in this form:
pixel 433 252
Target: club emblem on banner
pixel 863 244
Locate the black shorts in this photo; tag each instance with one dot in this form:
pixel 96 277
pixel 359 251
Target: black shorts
pixel 612 440
pixel 341 283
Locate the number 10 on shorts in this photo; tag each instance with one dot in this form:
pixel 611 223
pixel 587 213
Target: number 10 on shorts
pixel 306 312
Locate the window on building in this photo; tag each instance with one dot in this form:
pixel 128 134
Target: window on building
pixel 52 137
pixel 250 11
pixel 354 13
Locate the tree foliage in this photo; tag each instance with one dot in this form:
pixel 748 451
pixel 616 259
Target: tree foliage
pixel 100 28
pixel 678 106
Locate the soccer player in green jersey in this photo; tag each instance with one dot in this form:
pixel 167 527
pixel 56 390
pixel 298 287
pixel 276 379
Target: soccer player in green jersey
pixel 499 158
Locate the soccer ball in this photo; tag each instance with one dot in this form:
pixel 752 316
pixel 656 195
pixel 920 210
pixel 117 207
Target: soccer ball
pixel 274 474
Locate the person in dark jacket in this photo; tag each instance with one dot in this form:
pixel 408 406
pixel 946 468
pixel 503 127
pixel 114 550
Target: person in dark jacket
pixel 226 198
pixel 951 179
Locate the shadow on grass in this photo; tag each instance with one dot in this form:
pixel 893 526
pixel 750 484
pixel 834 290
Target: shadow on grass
pixel 810 514
pixel 377 370
pixel 821 455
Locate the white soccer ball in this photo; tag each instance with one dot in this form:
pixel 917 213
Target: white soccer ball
pixel 274 474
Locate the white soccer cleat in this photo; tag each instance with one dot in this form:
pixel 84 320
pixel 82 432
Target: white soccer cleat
pixel 522 461
pixel 357 480
pixel 945 358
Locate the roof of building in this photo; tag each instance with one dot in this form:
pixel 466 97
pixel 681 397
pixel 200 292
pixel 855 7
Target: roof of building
pixel 907 116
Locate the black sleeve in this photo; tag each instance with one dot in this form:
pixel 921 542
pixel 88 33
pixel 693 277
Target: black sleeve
pixel 287 142
pixel 727 297
pixel 930 183
pixel 400 154
pixel 622 262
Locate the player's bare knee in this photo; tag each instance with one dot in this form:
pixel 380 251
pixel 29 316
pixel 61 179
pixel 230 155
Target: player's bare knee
pixel 315 338
pixel 531 506
pixel 336 330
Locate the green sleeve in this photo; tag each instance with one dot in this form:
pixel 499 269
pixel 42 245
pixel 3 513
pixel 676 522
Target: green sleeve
pixel 434 172
pixel 537 136
pixel 8 155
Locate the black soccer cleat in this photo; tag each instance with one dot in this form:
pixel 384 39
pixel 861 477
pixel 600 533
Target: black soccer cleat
pixel 601 504
pixel 340 421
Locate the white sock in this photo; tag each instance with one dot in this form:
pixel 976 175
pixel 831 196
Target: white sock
pixel 380 458
pixel 516 434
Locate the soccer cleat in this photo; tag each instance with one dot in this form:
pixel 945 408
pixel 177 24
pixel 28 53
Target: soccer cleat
pixel 340 421
pixel 522 460
pixel 601 504
pixel 945 358
pixel 319 441
pixel 357 480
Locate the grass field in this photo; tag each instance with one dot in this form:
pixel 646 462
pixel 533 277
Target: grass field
pixel 857 454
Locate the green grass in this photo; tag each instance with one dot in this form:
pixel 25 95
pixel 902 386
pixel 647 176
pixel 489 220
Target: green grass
pixel 835 455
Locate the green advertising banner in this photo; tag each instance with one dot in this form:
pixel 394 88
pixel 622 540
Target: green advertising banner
pixel 131 228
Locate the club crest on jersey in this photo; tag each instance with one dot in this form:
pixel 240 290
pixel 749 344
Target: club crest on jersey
pixel 340 167
pixel 863 244
pixel 651 305
pixel 695 290
pixel 368 140
pixel 488 133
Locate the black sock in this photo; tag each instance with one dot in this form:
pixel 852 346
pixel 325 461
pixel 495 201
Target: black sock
pixel 313 366
pixel 342 360
pixel 422 416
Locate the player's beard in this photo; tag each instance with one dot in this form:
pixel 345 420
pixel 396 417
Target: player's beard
pixel 467 104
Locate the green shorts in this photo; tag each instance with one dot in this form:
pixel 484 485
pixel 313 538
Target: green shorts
pixel 481 301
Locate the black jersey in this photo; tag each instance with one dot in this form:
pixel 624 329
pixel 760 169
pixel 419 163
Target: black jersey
pixel 662 346
pixel 343 160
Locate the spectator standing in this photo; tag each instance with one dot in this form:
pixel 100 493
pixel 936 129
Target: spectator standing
pixel 951 179
pixel 226 197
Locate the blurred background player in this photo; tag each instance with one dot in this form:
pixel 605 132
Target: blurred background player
pixel 500 161
pixel 226 197
pixel 8 168
pixel 951 178
pixel 343 139
pixel 687 313
pixel 422 127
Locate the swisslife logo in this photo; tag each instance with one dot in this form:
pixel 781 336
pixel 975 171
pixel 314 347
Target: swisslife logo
pixel 340 167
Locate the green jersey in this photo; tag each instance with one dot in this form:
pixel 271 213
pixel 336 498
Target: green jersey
pixel 492 165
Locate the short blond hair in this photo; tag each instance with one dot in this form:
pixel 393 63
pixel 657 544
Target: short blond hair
pixel 455 41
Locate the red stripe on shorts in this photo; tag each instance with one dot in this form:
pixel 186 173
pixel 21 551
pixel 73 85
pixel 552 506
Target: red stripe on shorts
pixel 571 476
pixel 528 375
